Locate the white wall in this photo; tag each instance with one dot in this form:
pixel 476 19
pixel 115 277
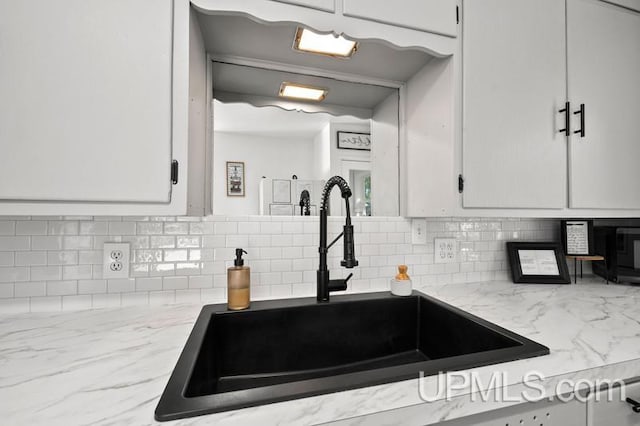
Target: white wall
pixel 322 154
pixel 273 157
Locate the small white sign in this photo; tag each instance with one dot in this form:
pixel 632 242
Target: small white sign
pixel 538 262
pixel 577 237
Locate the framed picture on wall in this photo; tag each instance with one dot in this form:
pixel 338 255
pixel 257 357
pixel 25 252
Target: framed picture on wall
pixel 235 179
pixel 354 140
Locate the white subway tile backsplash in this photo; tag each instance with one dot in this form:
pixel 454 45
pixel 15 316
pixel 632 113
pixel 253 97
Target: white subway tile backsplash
pixel 92 286
pixel 175 255
pixel 201 228
pixel 175 283
pixel 162 242
pixel 77 242
pixel 121 285
pixel 14 274
pixel 53 263
pixel 7 227
pixel 122 228
pixel 149 228
pixel 63 228
pixel 148 284
pixel 77 272
pixel 6 258
pixel 30 289
pixel 28 258
pixel 15 306
pixel 11 243
pixel 94 228
pixel 6 291
pixel 177 228
pixel 188 242
pixel 62 288
pixel 200 281
pixel 31 227
pixel 271 228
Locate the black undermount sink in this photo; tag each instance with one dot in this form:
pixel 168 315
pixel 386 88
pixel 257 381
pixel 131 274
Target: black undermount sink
pixel 285 349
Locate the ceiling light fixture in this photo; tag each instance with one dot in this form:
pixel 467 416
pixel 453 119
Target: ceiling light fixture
pixel 301 91
pixel 324 44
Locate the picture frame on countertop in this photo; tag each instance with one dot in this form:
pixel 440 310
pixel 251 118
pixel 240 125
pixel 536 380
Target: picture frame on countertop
pixel 577 237
pixel 537 263
pixel 235 179
pixel 281 191
pixel 281 209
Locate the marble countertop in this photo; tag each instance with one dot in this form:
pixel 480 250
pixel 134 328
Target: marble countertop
pixel 110 366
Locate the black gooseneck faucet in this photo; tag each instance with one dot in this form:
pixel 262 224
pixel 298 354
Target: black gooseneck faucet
pixel 325 285
pixel 305 203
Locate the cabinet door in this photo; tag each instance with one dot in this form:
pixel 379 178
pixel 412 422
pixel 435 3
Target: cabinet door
pixel 86 100
pixel 608 407
pixel 513 86
pixel 436 16
pixel 326 5
pixel 603 68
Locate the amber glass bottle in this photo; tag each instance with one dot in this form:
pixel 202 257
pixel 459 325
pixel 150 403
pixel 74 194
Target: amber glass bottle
pixel 238 283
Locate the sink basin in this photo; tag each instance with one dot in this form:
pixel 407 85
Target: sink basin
pixel 284 349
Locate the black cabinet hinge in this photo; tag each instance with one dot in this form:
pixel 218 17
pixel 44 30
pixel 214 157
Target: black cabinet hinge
pixel 457 15
pixel 460 184
pixel 174 172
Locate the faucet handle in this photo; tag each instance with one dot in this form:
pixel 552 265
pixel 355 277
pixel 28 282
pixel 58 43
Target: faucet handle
pixel 339 285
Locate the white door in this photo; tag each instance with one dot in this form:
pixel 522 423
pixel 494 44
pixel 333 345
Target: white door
pixel 358 176
pixel 513 87
pixel 603 50
pixel 85 100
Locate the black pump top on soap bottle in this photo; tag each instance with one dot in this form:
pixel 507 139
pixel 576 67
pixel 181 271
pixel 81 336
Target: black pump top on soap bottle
pixel 239 261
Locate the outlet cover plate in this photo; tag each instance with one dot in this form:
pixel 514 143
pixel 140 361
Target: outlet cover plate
pixel 418 231
pixel 445 250
pixel 115 260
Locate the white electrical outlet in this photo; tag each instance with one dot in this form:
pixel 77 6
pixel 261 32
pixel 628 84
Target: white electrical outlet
pixel 445 250
pixel 418 231
pixel 116 260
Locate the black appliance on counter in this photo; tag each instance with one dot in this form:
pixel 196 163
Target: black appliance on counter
pixel 621 247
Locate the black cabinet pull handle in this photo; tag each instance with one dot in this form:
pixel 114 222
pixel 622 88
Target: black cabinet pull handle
pixel 581 112
pixel 567 119
pixel 635 405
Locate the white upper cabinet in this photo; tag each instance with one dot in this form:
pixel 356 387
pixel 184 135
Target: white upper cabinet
pixel 436 16
pixel 513 86
pixel 604 65
pixel 404 23
pixel 93 106
pixel 629 4
pixel 326 5
pixel 521 63
pixel 74 111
